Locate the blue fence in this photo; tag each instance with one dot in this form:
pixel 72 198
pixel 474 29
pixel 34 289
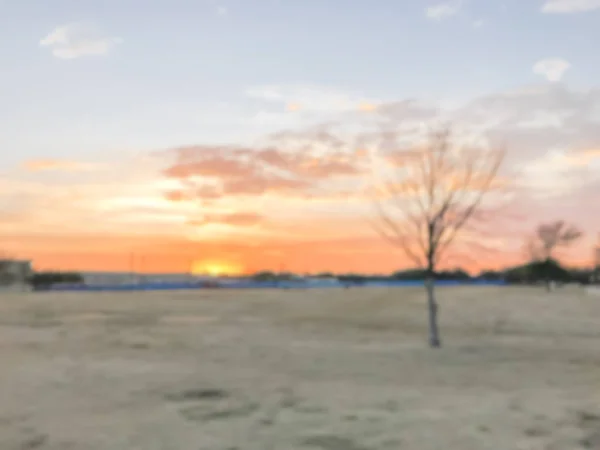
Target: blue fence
pixel 313 284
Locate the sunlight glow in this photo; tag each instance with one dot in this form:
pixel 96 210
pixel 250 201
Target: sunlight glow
pixel 216 269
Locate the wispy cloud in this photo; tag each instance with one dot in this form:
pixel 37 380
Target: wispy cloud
pixel 553 69
pixel 219 8
pixel 77 40
pixel 236 219
pixel 317 173
pixel 42 165
pixel 569 6
pixel 443 11
pixel 310 98
pixel 227 172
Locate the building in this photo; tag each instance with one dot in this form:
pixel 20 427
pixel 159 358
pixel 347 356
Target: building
pixel 14 273
pixel 128 278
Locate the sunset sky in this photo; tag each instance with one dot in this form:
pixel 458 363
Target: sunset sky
pixel 241 135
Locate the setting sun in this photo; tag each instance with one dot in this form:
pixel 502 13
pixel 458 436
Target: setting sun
pixel 216 269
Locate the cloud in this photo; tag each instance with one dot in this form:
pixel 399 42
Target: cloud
pixel 210 172
pixel 330 164
pixel 535 119
pixel 367 107
pixel 552 68
pixel 558 173
pixel 236 219
pixel 407 110
pixel 570 6
pixel 219 8
pixel 192 192
pixel 585 158
pixel 551 133
pixel 96 200
pixel 77 40
pixel 309 98
pixel 45 165
pixel 443 11
pixel 294 192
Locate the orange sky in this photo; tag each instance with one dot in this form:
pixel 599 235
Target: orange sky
pixel 296 201
pixel 162 134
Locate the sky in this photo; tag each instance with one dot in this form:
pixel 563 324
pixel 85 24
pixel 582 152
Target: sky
pixel 240 135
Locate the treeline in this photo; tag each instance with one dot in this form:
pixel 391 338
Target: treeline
pixel 544 271
pixel 531 273
pixel 409 275
pixel 45 280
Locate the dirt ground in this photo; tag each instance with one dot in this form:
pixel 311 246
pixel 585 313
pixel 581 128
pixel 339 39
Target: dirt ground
pixel 313 369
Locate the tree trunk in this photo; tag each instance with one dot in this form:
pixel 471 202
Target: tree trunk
pixel 434 334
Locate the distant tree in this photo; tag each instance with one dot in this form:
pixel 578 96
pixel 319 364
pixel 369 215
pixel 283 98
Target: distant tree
pixel 286 276
pixel 539 271
pixel 581 276
pixel 45 280
pixel 596 267
pixel 325 275
pixel 410 275
pixel 456 275
pixel 264 276
pixel 491 275
pixel 352 278
pixel 520 274
pixel 435 192
pixel 548 238
pixel 421 274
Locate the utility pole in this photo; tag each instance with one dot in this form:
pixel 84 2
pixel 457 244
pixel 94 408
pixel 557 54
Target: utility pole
pixel 131 267
pixel 139 276
pixel 190 269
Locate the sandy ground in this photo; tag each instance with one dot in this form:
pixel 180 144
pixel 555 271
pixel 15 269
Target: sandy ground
pixel 322 369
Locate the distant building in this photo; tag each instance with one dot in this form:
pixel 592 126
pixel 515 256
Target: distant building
pixel 127 278
pixel 321 282
pixel 14 273
pixel 108 278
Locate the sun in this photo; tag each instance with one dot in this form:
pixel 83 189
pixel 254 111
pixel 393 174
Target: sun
pixel 215 269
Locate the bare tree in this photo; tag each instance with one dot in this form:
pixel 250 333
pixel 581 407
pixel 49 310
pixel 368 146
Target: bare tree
pixel 548 239
pixel 434 194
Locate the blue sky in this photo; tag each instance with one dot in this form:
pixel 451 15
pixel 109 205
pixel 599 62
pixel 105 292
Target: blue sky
pixel 109 82
pixel 179 66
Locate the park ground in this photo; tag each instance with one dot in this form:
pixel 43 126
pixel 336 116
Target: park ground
pixel 300 369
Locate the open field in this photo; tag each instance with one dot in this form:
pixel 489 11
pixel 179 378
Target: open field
pixel 314 369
